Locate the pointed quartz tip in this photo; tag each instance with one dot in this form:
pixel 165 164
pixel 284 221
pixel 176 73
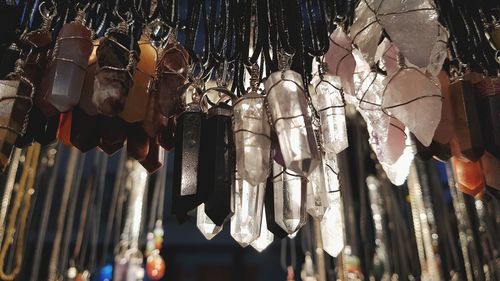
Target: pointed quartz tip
pixel 304 167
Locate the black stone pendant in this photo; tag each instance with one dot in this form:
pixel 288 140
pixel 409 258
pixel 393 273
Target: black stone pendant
pixel 269 204
pixel 489 113
pixel 186 175
pixel 218 163
pixel 166 135
pixel 468 127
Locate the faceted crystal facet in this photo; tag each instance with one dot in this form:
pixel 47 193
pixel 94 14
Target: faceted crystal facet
pixel 155 158
pixel 265 238
pixel 328 101
pixel 317 199
pixel 172 75
pixel 446 127
pixel 469 176
pixel 84 130
pixel 137 141
pixel 248 205
pixel 218 163
pixel 206 226
pixel 366 31
pixel 252 134
pixel 186 176
pixel 86 103
pixel 114 74
pixel 340 59
pixel 69 66
pixel 292 120
pixel 272 226
pixel 290 194
pixel 491 168
pixel 137 99
pixel 415 100
pixel 467 125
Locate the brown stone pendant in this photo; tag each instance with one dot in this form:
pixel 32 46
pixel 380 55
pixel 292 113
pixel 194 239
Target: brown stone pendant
pixel 86 103
pixel 172 72
pixel 47 132
pixel 446 127
pixel 137 100
pixel 166 136
pixel 137 141
pixel 155 158
pixel 69 64
pixel 467 125
pixel 116 61
pixel 113 133
pixel 15 103
pixel 469 176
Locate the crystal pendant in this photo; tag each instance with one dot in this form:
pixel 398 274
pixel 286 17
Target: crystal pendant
pixel 317 200
pixel 15 102
pixel 332 225
pixel 166 136
pixel 155 158
pixel 86 103
pixel 69 64
pixel 265 238
pixel 206 226
pixel 172 72
pixel 469 176
pixel 292 121
pixel 467 125
pixel 290 192
pixel 252 134
pixel 249 203
pixel 115 69
pixel 137 99
pixel 84 130
pixel 137 141
pixel 340 59
pixel 217 162
pixel 366 31
pixel 112 134
pixel 271 224
pixel 328 101
pixel 186 174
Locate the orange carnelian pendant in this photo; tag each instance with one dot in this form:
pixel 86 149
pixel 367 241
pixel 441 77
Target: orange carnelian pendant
pixel 64 130
pixel 137 100
pixel 469 176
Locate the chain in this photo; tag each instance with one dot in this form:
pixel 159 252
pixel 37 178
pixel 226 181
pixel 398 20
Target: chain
pixel 20 207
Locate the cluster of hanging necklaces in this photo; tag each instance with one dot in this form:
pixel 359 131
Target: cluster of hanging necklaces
pixel 273 112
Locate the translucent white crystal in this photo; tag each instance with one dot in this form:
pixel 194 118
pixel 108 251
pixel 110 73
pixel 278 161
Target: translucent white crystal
pixel 290 192
pixel 398 172
pixel 292 119
pixel 366 31
pixel 317 200
pixel 206 226
pixel 328 101
pixel 332 226
pixel 252 134
pixel 248 206
pixel 340 59
pixel 439 53
pixel 265 238
pixel 415 100
pixel 393 147
pixel 388 56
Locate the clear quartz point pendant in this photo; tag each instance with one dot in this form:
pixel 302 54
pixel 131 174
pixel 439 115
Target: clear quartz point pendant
pixel 328 101
pixel 292 119
pixel 265 238
pixel 206 226
pixel 248 205
pixel 289 199
pixel 252 134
